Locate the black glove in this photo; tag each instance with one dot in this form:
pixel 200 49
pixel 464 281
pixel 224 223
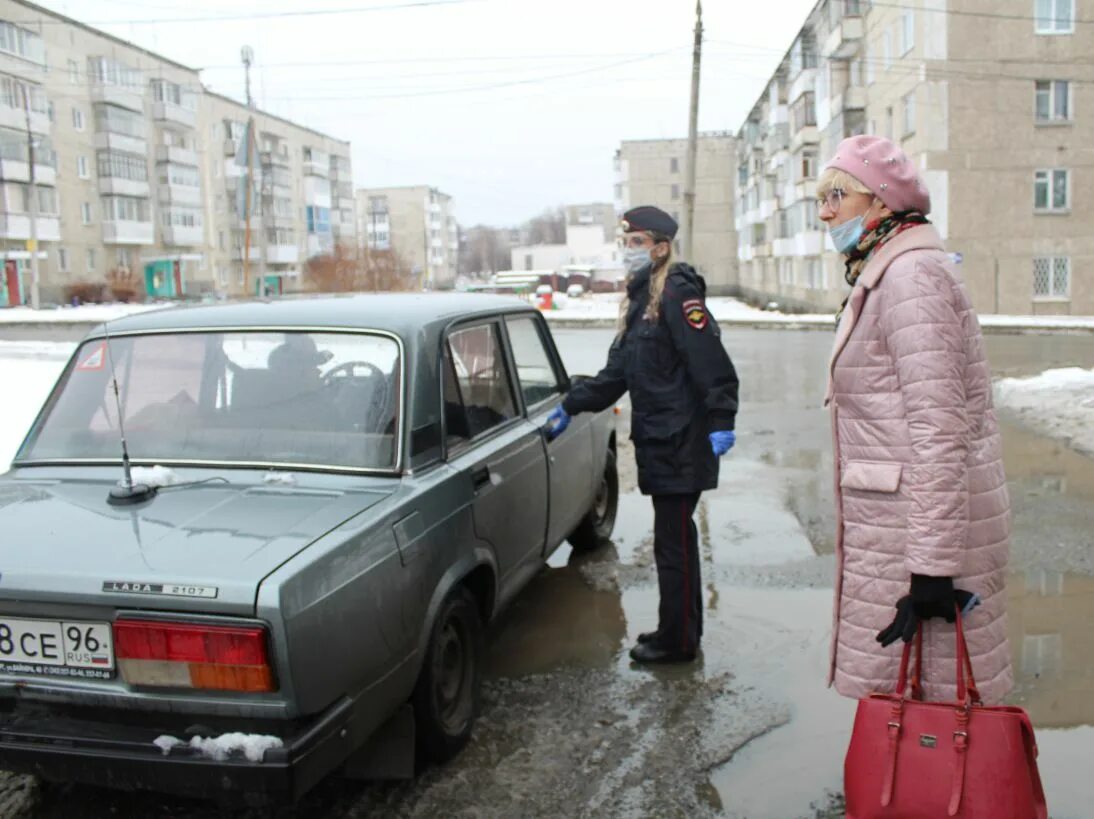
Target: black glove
pixel 929 597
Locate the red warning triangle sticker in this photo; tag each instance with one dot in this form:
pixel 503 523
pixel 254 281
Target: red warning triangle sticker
pixel 95 359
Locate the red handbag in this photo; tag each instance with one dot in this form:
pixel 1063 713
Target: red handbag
pixel 910 759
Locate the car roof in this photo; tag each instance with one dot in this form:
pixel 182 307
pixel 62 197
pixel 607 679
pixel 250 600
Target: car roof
pixel 401 313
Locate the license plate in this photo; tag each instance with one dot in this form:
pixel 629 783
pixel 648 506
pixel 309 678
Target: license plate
pixel 60 648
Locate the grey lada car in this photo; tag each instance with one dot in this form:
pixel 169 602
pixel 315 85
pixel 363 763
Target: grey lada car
pixel 329 499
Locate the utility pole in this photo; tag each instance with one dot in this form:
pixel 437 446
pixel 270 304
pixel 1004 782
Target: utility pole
pixel 693 137
pixel 32 245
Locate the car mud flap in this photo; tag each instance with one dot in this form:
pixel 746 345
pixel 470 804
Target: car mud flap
pixel 389 752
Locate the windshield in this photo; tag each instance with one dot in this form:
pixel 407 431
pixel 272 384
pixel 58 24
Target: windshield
pixel 284 398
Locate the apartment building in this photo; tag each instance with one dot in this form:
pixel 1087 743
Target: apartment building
pixel 419 224
pixel 652 172
pixel 129 175
pixel 993 103
pixel 302 193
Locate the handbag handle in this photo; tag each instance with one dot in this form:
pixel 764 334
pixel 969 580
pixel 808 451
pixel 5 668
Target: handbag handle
pixel 966 684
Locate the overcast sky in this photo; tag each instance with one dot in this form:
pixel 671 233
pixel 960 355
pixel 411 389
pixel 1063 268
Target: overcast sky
pixel 511 106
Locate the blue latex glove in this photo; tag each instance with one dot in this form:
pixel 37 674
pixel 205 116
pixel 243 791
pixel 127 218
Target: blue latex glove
pixel 722 442
pixel 557 422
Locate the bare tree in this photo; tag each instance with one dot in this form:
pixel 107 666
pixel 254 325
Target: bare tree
pixel 549 228
pixel 344 272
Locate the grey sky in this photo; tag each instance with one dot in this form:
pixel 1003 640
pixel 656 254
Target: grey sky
pixel 511 106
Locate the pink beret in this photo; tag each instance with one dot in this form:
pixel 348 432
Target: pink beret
pixel 885 169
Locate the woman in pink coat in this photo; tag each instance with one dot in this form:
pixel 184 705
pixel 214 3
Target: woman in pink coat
pixel 923 513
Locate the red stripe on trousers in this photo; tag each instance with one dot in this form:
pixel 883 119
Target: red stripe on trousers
pixel 687 571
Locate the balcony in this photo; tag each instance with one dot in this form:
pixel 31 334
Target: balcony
pixel 852 99
pixel 12 170
pixel 180 156
pixel 844 41
pixel 777 139
pixel 809 135
pixel 274 159
pixel 117 186
pixel 806 81
pixel 16 119
pixel 178 236
pixel 317 167
pixel 254 255
pixel 128 233
pixel 782 247
pixel 17 226
pixel 282 254
pixel 809 243
pixel 175 114
pixel 179 195
pixel 124 96
pixel 767 209
pixel 107 141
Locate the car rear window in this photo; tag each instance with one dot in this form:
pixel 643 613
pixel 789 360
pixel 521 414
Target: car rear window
pixel 285 398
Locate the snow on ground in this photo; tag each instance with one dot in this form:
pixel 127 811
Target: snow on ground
pixel 28 371
pixel 250 746
pixel 1057 403
pixel 85 313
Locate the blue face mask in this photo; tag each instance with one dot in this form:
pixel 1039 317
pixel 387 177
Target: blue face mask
pixel 846 237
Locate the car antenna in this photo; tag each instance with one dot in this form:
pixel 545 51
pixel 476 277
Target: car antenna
pixel 125 493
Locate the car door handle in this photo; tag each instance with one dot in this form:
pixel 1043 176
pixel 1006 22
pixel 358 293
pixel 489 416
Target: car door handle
pixel 480 478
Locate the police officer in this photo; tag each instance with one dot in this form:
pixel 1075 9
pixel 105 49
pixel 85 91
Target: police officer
pixel 683 389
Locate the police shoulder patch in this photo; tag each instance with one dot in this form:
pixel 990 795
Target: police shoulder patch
pixel 695 314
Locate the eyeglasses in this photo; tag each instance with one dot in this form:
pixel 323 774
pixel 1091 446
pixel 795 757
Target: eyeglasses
pixel 637 240
pixel 833 199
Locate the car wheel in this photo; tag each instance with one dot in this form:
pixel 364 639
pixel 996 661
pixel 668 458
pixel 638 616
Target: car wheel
pixel 596 527
pixel 446 697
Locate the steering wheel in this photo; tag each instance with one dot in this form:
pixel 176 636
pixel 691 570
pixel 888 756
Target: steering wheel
pixel 348 368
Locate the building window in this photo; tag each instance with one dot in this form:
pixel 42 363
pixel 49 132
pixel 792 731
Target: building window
pixel 528 265
pixel 886 50
pixel 73 72
pixel 870 70
pixel 674 165
pixel 220 240
pixel 909 114
pixel 81 168
pixel 907 32
pixel 117 165
pixel 1052 101
pixel 91 260
pixel 126 209
pixel 1052 190
pixel 1052 277
pixel 856 75
pixel 22 43
pixel 675 192
pixel 62 260
pixel 77 119
pixel 889 122
pixel 85 213
pixel 809 165
pixel 814 274
pixel 1054 16
pixel 124 257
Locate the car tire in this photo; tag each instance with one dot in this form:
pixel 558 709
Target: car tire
pixel 596 527
pixel 446 696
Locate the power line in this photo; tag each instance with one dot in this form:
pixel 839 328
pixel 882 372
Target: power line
pixel 260 15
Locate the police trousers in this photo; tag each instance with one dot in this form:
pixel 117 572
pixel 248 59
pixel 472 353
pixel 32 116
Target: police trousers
pixel 676 553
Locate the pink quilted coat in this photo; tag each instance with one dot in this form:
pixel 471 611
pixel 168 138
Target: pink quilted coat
pixel 920 486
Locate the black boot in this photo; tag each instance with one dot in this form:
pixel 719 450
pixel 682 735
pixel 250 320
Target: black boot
pixel 651 653
pixel 647 637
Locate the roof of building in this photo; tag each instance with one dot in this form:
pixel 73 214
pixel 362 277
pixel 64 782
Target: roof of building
pixel 400 313
pixel 242 105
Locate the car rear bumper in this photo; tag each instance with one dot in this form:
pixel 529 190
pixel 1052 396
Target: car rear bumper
pixel 116 755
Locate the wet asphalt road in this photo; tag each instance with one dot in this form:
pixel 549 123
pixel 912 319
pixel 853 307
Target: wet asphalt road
pixel 570 728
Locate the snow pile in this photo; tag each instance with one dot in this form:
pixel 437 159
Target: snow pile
pixel 85 313
pixel 1058 403
pixel 251 746
pixel 155 476
pixel 28 372
pixel 601 307
pixel 279 478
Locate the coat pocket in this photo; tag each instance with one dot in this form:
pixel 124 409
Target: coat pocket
pixel 871 476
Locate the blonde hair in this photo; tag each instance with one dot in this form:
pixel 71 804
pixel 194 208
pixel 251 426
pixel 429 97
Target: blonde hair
pixel 835 179
pixel 657 289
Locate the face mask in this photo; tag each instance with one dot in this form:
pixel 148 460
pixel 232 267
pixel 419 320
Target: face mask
pixel 636 259
pixel 846 237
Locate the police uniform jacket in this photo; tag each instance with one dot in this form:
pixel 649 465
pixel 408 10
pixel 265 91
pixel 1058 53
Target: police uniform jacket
pixel 681 381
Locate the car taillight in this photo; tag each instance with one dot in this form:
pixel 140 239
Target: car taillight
pixel 186 655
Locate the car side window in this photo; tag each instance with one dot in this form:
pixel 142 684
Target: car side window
pixel 535 371
pixel 478 395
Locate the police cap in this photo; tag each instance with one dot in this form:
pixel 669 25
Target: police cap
pixel 649 218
